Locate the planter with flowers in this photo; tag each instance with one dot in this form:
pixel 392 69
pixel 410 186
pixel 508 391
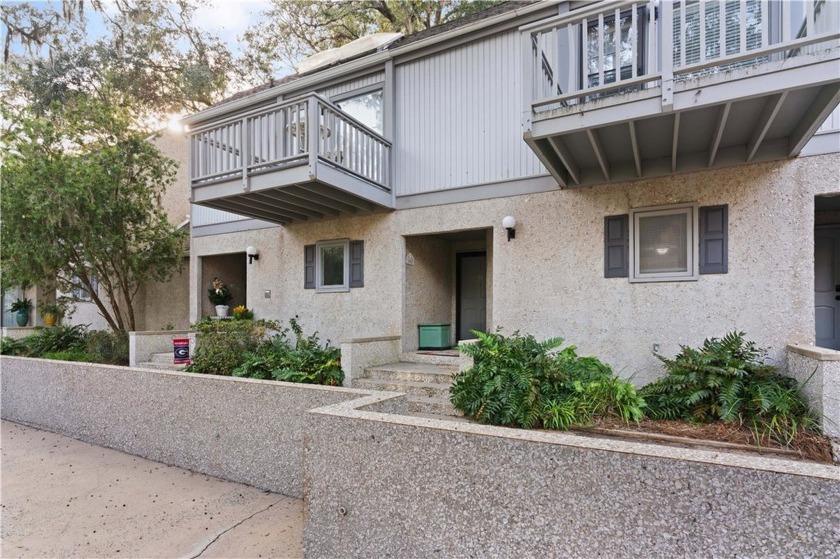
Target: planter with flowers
pixel 220 295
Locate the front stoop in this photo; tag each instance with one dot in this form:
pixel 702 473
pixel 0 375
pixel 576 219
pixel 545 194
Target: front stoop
pixel 161 361
pixel 425 383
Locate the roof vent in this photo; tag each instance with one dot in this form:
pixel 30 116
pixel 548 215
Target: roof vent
pixel 362 45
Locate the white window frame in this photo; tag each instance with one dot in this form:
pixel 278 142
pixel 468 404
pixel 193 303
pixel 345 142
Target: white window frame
pixel 319 269
pixel 692 243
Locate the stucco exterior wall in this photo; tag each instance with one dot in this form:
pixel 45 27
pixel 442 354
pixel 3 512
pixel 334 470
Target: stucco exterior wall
pixel 166 304
pixel 175 199
pixel 429 286
pixel 550 281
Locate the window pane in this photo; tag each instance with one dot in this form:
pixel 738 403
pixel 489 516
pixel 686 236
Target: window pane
pixel 662 244
pixel 332 265
pixel 366 108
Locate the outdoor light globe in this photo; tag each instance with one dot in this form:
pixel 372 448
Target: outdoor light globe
pixel 508 222
pixel 251 250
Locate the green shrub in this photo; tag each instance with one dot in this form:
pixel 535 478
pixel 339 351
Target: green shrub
pixel 304 361
pixel 11 346
pixel 521 382
pixel 224 345
pixel 70 355
pixel 57 338
pixel 727 380
pixel 106 346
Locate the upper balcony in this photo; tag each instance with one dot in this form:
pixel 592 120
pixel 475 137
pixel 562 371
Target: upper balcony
pixel 626 90
pixel 301 159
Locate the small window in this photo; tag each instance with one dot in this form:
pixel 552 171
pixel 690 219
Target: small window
pixel 331 266
pixel 366 108
pixel 663 244
pixel 79 292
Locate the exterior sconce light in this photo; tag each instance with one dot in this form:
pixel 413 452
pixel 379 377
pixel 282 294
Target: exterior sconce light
pixel 509 223
pixel 252 253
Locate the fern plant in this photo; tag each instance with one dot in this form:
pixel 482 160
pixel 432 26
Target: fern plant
pixel 518 381
pixel 727 380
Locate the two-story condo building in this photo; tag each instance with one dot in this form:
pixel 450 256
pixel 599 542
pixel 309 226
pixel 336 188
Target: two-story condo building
pixel 671 170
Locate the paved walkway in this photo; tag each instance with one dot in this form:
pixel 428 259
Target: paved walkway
pixel 65 498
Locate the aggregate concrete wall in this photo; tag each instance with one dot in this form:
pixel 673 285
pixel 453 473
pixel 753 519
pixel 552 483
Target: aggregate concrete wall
pixel 819 369
pixel 243 430
pixel 549 281
pixel 429 286
pixel 412 487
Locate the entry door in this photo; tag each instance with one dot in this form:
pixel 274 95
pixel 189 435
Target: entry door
pixel 471 293
pixel 827 287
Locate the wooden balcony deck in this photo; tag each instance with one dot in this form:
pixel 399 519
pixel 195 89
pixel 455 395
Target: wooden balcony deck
pixel 299 160
pixel 700 85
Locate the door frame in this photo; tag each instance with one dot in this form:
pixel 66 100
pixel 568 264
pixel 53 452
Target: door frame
pixel 817 229
pixel 458 257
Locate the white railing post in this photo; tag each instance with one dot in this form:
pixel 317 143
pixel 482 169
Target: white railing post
pixel 667 50
pixel 244 141
pixel 313 131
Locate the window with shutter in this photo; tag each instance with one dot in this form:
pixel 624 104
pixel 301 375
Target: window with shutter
pixel 332 266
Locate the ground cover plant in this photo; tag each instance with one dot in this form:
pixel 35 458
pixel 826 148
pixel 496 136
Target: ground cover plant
pixel 264 350
pixel 71 343
pixel 727 380
pixel 518 381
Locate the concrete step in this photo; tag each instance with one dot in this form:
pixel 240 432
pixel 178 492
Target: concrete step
pixel 458 418
pixel 413 389
pixel 161 366
pixel 413 372
pixel 162 357
pixel 436 406
pixel 446 357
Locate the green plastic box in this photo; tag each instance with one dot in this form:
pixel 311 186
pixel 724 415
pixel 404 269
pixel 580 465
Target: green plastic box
pixel 434 336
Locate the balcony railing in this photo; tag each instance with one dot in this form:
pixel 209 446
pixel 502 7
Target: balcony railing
pixel 615 47
pixel 302 131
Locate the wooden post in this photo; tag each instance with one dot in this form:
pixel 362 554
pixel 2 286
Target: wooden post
pixel 666 50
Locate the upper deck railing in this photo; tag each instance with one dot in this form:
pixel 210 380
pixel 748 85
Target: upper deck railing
pixel 300 131
pixel 622 46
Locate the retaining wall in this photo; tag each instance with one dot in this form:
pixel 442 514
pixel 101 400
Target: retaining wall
pixel 379 485
pixel 243 430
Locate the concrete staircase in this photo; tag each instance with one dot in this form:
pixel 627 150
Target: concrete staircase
pixel 424 377
pixel 162 361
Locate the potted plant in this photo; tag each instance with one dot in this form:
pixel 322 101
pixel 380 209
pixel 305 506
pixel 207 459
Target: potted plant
pixel 21 308
pixel 51 312
pixel 220 295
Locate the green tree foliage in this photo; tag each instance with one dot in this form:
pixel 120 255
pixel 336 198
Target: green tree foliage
pixel 152 56
pixel 81 203
pixel 520 382
pixel 291 31
pixel 727 380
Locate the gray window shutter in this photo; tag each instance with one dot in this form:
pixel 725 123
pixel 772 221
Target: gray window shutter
pixel 714 239
pixel 357 263
pixel 309 267
pixel 616 246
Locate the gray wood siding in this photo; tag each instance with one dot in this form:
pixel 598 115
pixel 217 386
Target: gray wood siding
pixel 346 87
pixel 211 216
pixel 458 118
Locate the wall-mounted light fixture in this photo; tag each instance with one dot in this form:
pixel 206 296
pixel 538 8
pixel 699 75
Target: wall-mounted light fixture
pixel 252 253
pixel 510 224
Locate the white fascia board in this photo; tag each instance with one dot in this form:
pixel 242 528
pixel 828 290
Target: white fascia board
pixel 362 63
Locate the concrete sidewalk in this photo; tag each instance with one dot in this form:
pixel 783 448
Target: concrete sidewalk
pixel 65 498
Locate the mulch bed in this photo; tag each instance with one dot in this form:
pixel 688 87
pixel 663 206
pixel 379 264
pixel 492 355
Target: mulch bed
pixel 807 445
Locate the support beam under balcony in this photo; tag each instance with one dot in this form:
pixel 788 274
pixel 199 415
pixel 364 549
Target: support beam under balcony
pixel 717 134
pixel 600 155
pixel 568 161
pixel 768 115
pixel 634 145
pixel 675 142
pixel 826 101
